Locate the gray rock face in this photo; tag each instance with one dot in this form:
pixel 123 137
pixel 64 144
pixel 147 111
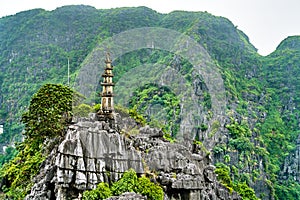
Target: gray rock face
pixel 95 151
pixel 291 165
pixel 128 196
pixel 89 152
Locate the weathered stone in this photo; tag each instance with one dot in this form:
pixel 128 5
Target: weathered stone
pixel 290 169
pixel 128 196
pixel 151 132
pixel 209 174
pixel 94 152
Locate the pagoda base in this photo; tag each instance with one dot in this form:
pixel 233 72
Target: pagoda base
pixel 107 117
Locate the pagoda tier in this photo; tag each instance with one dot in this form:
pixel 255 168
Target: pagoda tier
pixel 107 94
pixel 110 67
pixel 108 75
pixel 107 103
pixel 107 84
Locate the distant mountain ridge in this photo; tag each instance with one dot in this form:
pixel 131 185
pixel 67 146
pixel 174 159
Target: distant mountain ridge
pixel 263 92
pixel 291 42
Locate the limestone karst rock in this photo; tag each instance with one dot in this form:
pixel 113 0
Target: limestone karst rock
pixel 291 164
pixel 95 151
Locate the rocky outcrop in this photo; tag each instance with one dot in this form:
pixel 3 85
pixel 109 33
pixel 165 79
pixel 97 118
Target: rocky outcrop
pixel 128 196
pixel 291 166
pixel 95 151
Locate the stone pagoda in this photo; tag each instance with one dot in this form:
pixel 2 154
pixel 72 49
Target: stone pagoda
pixel 107 95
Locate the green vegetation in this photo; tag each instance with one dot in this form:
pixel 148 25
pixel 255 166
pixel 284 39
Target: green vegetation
pixel 82 110
pixel 101 192
pixel 201 146
pixel 48 114
pixel 289 190
pixel 263 93
pixel 131 113
pixel 223 175
pixel 159 102
pixel 10 153
pixel 20 171
pixel 128 183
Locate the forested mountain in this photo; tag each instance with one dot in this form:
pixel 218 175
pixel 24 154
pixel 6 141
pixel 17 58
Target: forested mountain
pixel 257 142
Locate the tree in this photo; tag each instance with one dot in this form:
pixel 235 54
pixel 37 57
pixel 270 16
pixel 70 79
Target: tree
pixel 48 114
pixel 49 111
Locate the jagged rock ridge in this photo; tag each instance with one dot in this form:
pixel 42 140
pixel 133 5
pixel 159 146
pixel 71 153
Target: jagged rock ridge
pixel 95 151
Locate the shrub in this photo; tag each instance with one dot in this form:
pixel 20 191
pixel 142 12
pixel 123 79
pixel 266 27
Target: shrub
pixel 101 192
pixel 149 189
pixel 82 110
pixel 127 183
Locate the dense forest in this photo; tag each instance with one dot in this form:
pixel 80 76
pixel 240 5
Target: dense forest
pixel 257 144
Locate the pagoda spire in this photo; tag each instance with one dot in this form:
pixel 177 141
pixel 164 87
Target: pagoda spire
pixel 107 101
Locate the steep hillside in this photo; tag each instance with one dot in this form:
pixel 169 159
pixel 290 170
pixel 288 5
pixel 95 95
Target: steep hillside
pixel 281 127
pixel 35 46
pixel 252 139
pixel 282 72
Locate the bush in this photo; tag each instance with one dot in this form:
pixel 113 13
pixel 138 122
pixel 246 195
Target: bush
pixel 48 114
pixel 245 191
pixel 149 189
pixel 203 127
pixel 82 110
pixel 223 175
pixel 128 183
pixel 97 107
pixel 101 192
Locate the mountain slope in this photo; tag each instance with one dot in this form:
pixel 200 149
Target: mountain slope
pixel 261 124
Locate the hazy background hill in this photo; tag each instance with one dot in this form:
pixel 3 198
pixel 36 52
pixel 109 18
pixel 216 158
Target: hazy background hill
pixel 262 92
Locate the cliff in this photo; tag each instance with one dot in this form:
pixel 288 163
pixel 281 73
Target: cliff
pixel 291 166
pixel 97 151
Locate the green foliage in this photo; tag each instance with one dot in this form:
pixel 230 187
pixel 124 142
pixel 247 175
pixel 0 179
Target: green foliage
pixel 49 112
pixel 82 110
pixel 219 148
pixel 128 183
pixel 262 90
pixel 223 175
pixel 278 138
pixel 101 192
pixel 168 137
pixel 97 107
pixel 47 116
pixel 10 153
pixel 201 146
pixel 245 191
pixel 238 130
pixel 149 189
pixel 227 158
pixel 131 183
pixel 241 144
pixel 289 190
pixel 20 171
pixel 133 113
pixel 150 97
pixel 203 127
pixel 136 116
pixel 214 128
